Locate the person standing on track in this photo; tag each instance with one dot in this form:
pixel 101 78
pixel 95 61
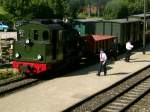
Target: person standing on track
pixel 102 65
pixel 129 47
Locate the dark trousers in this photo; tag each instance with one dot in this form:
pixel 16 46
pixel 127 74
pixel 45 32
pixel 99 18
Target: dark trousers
pixel 114 54
pixel 128 54
pixel 102 67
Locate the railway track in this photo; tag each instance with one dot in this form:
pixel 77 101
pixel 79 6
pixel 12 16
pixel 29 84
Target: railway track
pixel 11 84
pixel 6 65
pixel 11 80
pixel 141 106
pixel 119 97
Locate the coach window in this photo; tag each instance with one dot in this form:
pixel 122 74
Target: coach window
pixel 36 34
pixel 45 35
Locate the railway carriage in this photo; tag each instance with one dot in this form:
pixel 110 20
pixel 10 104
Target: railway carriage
pixel 93 43
pixel 123 29
pixel 87 26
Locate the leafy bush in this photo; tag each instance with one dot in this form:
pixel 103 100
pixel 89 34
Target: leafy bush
pixel 7 73
pixel 116 9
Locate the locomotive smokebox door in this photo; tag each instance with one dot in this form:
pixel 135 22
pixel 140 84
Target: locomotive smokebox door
pixel 31 45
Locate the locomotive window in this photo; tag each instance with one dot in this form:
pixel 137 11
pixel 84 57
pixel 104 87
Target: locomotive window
pixel 36 34
pixel 45 35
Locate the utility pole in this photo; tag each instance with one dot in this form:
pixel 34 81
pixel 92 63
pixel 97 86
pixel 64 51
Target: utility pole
pixel 89 8
pixel 97 12
pixel 80 5
pixel 144 27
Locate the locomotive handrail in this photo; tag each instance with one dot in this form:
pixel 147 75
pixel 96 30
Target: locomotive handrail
pixel 39 42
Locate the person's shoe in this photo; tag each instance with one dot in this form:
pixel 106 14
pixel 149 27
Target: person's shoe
pixel 98 74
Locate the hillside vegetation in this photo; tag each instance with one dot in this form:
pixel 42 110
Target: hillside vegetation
pixel 108 9
pixel 3 11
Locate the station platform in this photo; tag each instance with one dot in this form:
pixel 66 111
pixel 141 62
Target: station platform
pixel 57 94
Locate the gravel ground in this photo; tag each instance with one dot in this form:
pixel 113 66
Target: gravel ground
pixel 101 98
pixel 142 106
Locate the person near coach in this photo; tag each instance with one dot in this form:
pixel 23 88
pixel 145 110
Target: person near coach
pixel 114 50
pixel 102 62
pixel 129 48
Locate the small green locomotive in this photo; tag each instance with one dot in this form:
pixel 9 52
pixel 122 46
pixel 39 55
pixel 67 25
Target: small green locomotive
pixel 42 46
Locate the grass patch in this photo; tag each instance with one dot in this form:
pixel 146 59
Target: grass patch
pixel 8 73
pixel 2 11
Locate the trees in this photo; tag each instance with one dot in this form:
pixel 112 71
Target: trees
pixel 116 9
pixel 49 8
pixel 24 9
pixel 35 8
pixel 30 9
pixel 41 9
pixel 59 7
pixel 18 8
pixel 75 6
pixel 135 6
pixel 124 8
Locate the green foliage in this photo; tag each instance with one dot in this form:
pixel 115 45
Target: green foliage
pixel 2 17
pixel 74 8
pixel 135 7
pixel 41 11
pixel 28 9
pixel 8 73
pixel 2 11
pixel 17 9
pixel 59 8
pixel 123 8
pixel 116 9
pixel 82 15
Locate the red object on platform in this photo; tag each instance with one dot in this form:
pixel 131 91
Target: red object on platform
pixel 102 37
pixel 37 67
pixel 96 42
